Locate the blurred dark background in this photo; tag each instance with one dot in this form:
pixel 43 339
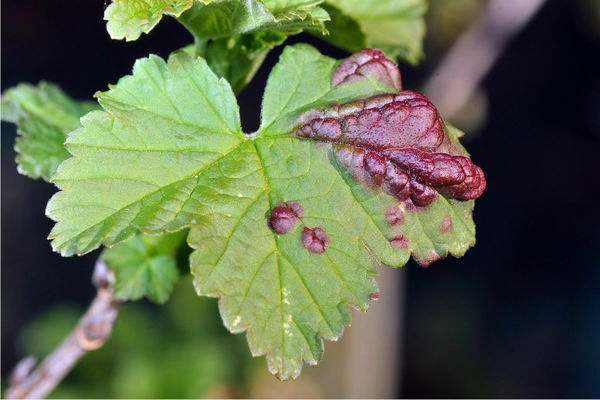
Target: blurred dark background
pixel 518 316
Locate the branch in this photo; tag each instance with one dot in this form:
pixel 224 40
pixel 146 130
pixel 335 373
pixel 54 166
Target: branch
pixel 469 60
pixel 90 333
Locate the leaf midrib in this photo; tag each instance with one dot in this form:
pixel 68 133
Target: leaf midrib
pixel 331 263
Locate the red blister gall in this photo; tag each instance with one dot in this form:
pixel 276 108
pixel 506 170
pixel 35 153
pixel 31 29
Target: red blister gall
pixel 367 63
pixel 315 240
pixel 396 143
pixel 284 216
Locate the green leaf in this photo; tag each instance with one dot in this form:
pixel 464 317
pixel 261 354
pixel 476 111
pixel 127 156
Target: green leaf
pixel 270 285
pixel 208 19
pixel 395 26
pixel 223 18
pixel 344 31
pixel 136 164
pixel 237 58
pixel 43 115
pixel 127 19
pixel 145 266
pixel 168 153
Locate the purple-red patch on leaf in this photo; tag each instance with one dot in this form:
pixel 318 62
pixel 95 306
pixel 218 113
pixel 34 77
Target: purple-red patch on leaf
pixel 446 225
pixel 394 216
pixel 315 240
pixel 367 63
pixel 399 241
pixel 396 143
pixel 429 259
pixel 284 216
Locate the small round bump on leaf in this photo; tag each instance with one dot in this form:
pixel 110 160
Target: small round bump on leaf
pixel 314 240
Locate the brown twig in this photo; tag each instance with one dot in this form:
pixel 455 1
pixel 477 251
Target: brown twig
pixel 27 382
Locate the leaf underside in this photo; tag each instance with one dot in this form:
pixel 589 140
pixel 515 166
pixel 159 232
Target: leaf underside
pixel 167 152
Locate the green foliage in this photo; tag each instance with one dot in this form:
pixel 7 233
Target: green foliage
pixel 145 266
pixel 210 19
pixel 43 115
pixel 178 158
pixel 223 18
pixel 128 19
pixel 394 26
pixel 237 58
pixel 136 164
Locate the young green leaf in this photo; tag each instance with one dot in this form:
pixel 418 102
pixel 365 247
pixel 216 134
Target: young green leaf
pixel 168 153
pixel 145 266
pixel 208 19
pixel 395 26
pixel 43 115
pixel 223 18
pixel 128 19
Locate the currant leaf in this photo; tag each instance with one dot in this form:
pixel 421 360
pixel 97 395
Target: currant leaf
pixel 43 115
pixel 283 232
pixel 145 266
pixel 223 18
pixel 210 19
pixel 128 19
pixel 136 164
